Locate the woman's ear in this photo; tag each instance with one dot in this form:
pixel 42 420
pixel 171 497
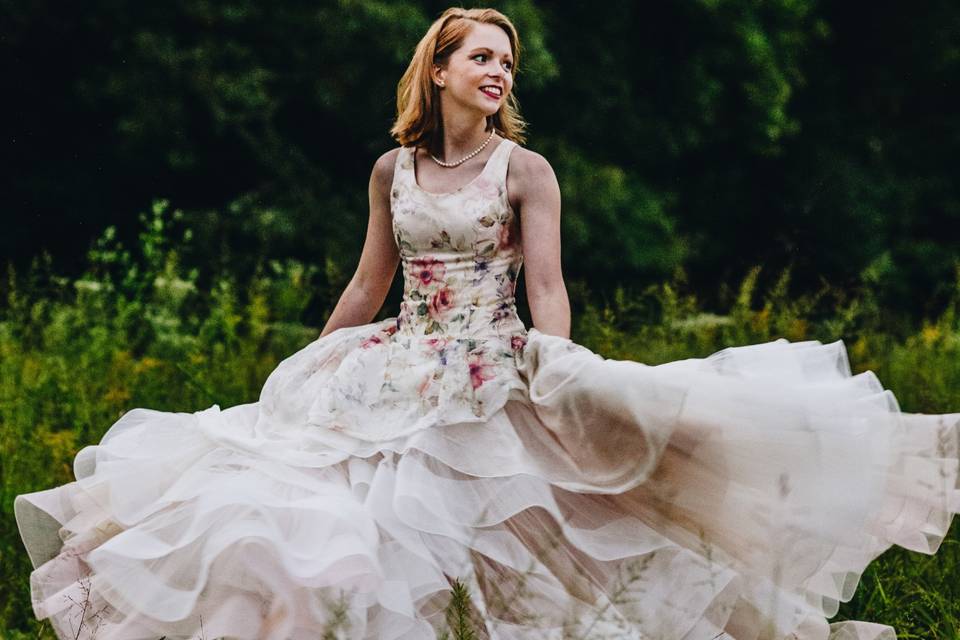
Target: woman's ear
pixel 438 75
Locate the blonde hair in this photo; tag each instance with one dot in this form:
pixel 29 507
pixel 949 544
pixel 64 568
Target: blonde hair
pixel 418 120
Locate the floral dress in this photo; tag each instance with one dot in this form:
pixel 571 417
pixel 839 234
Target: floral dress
pixel 451 353
pixel 738 496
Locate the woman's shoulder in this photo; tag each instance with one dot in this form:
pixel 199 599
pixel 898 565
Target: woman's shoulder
pixel 527 167
pixel 387 159
pixel 383 169
pixel 525 160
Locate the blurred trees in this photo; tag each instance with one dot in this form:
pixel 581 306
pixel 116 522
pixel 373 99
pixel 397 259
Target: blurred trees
pixel 708 134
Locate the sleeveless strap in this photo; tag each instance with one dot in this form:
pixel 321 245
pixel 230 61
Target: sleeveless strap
pixel 499 161
pixel 403 164
pixel 496 168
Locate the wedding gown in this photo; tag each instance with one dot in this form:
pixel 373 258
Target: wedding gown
pixel 737 496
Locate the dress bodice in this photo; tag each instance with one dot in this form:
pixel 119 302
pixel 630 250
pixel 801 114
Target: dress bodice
pixel 458 251
pixel 452 352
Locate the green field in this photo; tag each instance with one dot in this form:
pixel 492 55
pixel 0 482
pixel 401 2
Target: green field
pixel 137 330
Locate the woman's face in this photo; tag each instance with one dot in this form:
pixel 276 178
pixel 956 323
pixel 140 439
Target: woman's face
pixel 485 61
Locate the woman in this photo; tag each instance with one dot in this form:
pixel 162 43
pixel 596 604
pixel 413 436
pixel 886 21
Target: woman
pixel 736 496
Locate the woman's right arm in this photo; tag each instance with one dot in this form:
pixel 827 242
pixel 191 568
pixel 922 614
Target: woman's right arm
pixel 366 291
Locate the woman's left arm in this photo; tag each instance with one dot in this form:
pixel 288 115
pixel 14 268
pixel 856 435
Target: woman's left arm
pixel 539 198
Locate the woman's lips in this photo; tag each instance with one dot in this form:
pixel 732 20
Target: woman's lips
pixel 490 95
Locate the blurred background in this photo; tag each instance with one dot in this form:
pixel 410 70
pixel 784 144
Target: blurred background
pixel 185 197
pixel 712 135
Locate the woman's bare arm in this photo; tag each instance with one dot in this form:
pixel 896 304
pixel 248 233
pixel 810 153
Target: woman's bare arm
pixel 368 288
pixel 539 199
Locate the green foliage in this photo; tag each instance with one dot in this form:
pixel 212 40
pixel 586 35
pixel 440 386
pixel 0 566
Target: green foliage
pixel 700 139
pixel 459 615
pixel 138 329
pixel 916 594
pixel 612 222
pixel 134 330
pixel 712 135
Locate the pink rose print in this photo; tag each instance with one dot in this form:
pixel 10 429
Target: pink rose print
pixel 369 342
pixel 440 303
pixel 437 344
pixel 377 339
pixel 487 188
pixel 518 342
pixel 504 239
pixel 427 270
pixel 480 371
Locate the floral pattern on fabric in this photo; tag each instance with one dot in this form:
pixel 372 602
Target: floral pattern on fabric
pixel 451 353
pixel 738 496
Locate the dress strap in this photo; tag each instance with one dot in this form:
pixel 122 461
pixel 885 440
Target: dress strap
pixel 495 169
pixel 403 167
pixel 499 161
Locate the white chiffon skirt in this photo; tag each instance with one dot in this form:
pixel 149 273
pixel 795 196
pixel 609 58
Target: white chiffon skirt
pixel 738 496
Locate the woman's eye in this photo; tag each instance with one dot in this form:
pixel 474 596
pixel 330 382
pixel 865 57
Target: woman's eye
pixel 483 55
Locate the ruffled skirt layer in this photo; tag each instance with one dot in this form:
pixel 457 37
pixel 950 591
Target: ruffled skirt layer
pixel 738 496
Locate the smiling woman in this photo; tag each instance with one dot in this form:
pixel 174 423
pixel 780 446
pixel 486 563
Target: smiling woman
pixel 738 496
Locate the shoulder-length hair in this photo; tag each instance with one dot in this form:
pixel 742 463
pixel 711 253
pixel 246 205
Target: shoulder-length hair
pixel 418 120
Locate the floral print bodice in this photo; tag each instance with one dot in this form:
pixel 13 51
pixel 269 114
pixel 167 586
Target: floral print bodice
pixel 458 252
pixel 451 354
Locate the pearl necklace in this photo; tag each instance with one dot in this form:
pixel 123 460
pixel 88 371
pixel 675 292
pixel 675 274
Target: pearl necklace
pixel 466 157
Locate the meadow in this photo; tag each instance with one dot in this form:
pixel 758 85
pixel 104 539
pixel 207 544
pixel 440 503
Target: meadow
pixel 139 329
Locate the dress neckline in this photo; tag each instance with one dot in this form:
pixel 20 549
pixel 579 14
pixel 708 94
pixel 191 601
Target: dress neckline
pixel 486 166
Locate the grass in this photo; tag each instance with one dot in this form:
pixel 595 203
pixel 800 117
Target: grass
pixel 137 330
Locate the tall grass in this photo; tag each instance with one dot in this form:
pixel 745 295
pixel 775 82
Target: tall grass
pixel 138 329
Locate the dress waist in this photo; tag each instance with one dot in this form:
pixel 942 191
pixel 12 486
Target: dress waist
pixel 490 321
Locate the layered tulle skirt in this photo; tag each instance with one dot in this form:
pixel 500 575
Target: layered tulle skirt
pixel 737 496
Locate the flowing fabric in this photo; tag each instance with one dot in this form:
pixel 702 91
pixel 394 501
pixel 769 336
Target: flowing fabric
pixel 738 496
